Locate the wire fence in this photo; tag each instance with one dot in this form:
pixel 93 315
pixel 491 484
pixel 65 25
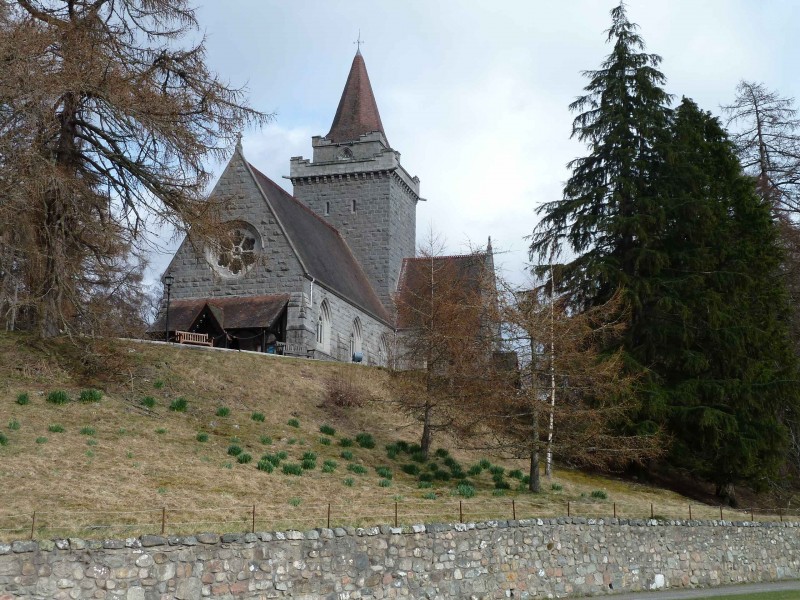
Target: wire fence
pixel 176 520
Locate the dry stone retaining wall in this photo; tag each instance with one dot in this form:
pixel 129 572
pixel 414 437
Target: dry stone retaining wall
pixel 496 559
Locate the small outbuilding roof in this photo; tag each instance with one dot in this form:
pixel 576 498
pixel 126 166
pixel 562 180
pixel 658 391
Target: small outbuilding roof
pixel 231 312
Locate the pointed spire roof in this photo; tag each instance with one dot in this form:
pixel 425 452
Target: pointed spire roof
pixel 357 113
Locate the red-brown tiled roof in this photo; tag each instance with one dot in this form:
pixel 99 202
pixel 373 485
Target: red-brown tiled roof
pixel 357 113
pixel 232 312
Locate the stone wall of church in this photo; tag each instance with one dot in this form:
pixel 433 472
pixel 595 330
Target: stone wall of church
pixel 343 315
pixel 277 269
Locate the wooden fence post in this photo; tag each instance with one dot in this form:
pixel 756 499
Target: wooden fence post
pixel 513 510
pixel 567 507
pixel 253 529
pixel 33 523
pixel 460 512
pixel 329 515
pixel 615 510
pixel 163 519
pixel 720 513
pixel 690 512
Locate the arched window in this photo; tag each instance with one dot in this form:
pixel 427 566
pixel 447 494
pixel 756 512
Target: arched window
pixel 355 339
pixel 353 205
pixel 383 351
pixel 324 327
pixel 327 208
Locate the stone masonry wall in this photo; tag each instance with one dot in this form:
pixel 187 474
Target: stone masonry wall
pixel 497 559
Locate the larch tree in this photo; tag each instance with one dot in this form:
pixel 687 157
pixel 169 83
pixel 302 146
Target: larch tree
pixel 446 337
pixel 594 391
pixel 109 117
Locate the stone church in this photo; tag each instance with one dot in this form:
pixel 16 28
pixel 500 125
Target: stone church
pixel 314 273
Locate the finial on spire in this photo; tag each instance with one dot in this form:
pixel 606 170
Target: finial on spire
pixel 358 42
pixel 489 246
pixel 239 143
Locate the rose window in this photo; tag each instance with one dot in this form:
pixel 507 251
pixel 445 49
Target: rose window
pixel 236 251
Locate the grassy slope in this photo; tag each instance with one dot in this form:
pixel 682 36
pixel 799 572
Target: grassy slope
pixel 141 459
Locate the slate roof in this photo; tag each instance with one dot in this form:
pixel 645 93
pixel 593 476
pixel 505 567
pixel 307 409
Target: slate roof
pixel 232 312
pixel 322 250
pixel 357 112
pixel 468 270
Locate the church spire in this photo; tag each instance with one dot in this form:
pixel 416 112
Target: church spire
pixel 357 113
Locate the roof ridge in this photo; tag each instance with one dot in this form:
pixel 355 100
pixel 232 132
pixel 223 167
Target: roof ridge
pixel 468 254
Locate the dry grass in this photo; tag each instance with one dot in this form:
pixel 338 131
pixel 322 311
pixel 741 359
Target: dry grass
pixel 144 461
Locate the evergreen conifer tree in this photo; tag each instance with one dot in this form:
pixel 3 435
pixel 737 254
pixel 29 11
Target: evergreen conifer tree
pixel 713 327
pixel 607 210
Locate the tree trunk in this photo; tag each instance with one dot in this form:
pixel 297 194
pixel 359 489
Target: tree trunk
pixel 726 493
pixel 427 434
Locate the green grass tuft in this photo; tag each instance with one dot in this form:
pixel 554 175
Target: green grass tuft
pixel 90 395
pixel 23 398
pixel 465 490
pixel 327 430
pixel 265 465
pixel 308 464
pixel 515 474
pixel 345 442
pixel 384 472
pixel 329 466
pixel 325 441
pixel 485 464
pixel 429 496
pixel 357 469
pixel 348 481
pixel 222 411
pixel 178 405
pixel 293 423
pixel 244 458
pixel 410 469
pixel 557 487
pixel 266 440
pixel 365 440
pixel 41 440
pixel 161 431
pixel 202 437
pixel 295 501
pixel 292 469
pixel 148 401
pixel 442 453
pixel 424 485
pixel 347 455
pixel 87 431
pixel 258 417
pixel 234 450
pixel 14 425
pixel 474 470
pixel 58 397
pixel 55 428
pixel 599 494
pixel 384 483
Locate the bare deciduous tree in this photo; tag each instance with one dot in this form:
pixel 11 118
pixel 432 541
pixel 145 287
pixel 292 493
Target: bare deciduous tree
pixel 108 118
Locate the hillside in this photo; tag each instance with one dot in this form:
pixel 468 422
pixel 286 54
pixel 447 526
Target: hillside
pixel 126 462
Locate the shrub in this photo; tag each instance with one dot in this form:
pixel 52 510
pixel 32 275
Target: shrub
pixel 309 456
pixel 429 496
pixel 327 430
pixel 345 442
pixel 365 440
pixel 419 456
pixel 556 487
pixel 384 472
pixel 325 441
pixel 329 466
pixel 348 481
pixel 223 411
pixel 244 458
pixel 308 464
pixel 599 494
pixel 202 437
pixel 501 485
pixel 451 463
pixel 343 390
pixel 474 471
pixel 410 469
pixel 55 428
pixel 148 401
pixel 402 446
pixel 527 479
pixel 272 459
pixel 497 470
pixel 265 465
pixel 458 474
pixel 161 430
pixel 257 416
pixel 426 477
pixel 515 474
pixel 442 453
pixel 282 455
pixel 41 440
pixel 87 431
pixel 13 425
pixel 485 464
pixel 347 455
pixel 3 439
pixel 234 450
pixel 178 405
pixel 293 423
pixel 384 483
pixel 23 398
pixel 433 467
pixel 424 485
pixel 90 395
pixel 465 490
pixel 58 397
pixel 266 440
pixel 292 469
pixel 357 469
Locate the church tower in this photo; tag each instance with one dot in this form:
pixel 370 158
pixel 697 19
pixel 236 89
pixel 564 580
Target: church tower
pixel 356 183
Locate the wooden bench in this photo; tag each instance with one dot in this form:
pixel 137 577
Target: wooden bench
pixel 288 349
pixel 198 339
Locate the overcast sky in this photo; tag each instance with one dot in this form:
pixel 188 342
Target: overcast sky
pixel 473 93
